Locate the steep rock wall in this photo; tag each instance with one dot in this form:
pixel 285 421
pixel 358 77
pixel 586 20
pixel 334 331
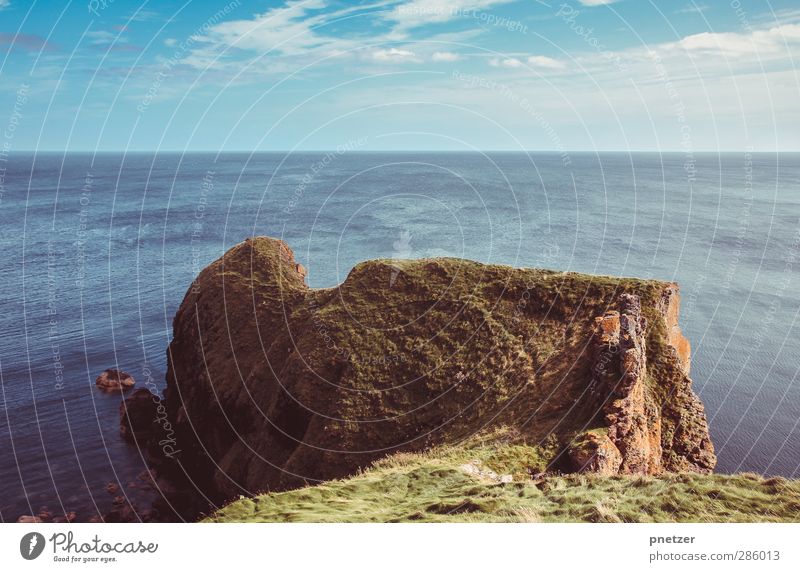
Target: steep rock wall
pixel 272 385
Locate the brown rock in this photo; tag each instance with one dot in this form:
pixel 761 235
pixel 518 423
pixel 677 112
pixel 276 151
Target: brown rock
pixel 28 519
pixel 608 327
pixel 68 517
pixel 594 453
pixel 114 379
pixel 272 385
pixel 647 426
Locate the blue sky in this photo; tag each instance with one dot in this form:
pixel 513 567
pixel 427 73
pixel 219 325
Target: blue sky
pixel 436 74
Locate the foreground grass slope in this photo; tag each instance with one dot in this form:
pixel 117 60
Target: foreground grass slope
pixel 464 485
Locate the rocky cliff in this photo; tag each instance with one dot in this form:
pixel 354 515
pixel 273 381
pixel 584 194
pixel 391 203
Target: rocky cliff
pixel 272 385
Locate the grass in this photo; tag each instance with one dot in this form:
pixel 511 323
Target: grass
pixel 434 487
pixel 459 341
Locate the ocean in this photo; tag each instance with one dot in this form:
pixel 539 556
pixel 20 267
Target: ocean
pixel 98 251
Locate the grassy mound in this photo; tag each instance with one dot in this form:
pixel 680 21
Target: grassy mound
pixel 465 485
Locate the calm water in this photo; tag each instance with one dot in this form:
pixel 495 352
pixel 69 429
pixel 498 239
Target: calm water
pixel 98 252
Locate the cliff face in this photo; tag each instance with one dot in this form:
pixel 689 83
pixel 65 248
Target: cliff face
pixel 272 385
pixel 654 421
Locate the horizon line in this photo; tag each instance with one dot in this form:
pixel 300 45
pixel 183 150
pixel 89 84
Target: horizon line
pixel 363 151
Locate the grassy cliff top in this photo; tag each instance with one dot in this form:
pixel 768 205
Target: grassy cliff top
pixel 466 485
pixel 272 385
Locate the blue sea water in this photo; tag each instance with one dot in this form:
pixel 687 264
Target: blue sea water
pixel 98 251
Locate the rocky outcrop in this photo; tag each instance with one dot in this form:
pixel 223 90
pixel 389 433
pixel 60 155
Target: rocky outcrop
pixel 644 413
pixel 138 414
pixel 272 385
pixel 114 380
pixel 620 367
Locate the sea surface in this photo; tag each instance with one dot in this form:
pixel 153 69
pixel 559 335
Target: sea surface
pixel 98 251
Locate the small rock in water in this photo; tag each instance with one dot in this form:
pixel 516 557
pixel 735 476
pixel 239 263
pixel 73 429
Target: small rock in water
pixel 113 379
pixel 28 519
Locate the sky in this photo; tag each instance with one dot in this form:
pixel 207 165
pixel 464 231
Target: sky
pixel 239 75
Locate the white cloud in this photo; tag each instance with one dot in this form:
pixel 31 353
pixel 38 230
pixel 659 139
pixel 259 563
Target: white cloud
pixel 545 62
pixel 762 43
pixel 144 15
pixel 785 16
pixel 445 57
pixel 597 2
pixel 291 31
pixel 170 42
pixel 395 55
pixel 505 63
pixel 4 4
pixel 100 36
pixel 285 30
pixel 693 9
pixel 422 12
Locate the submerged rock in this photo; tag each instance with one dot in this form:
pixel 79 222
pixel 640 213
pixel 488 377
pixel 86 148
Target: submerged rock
pixel 114 379
pixel 272 385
